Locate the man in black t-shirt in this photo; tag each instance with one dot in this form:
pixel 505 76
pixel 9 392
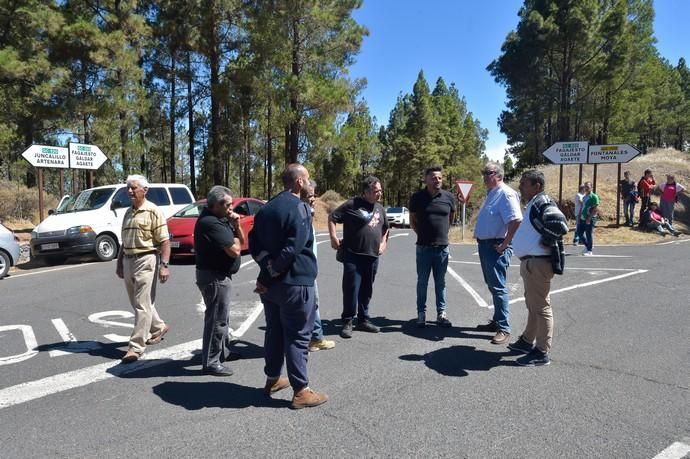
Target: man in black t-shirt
pixel 365 235
pixel 218 239
pixel 431 212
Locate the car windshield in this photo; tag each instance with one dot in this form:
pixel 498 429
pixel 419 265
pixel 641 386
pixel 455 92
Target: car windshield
pixel 191 211
pixel 89 200
pixel 394 210
pixel 66 205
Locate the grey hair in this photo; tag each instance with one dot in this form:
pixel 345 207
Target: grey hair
pixel 497 166
pixel 140 179
pixel 217 194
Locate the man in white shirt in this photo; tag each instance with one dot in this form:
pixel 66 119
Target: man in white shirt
pixel 497 222
pixel 534 250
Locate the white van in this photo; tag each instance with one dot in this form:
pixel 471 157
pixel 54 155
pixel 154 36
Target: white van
pixel 90 222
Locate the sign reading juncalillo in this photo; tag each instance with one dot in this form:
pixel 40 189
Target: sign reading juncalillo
pixel 46 156
pixel 83 156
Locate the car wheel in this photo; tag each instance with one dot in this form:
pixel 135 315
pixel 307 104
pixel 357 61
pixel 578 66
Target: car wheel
pixel 53 260
pixel 4 264
pixel 106 247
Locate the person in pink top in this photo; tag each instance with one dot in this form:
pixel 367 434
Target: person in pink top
pixel 669 196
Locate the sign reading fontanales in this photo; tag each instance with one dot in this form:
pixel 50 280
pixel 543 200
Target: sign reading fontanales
pixel 46 156
pixel 622 153
pixel 83 156
pixel 584 153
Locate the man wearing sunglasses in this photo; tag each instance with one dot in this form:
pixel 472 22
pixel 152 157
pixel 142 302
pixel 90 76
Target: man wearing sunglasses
pixel 497 222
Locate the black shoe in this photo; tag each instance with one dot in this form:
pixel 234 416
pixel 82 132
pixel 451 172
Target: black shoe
pixel 217 370
pixel 490 327
pixel 521 346
pixel 367 326
pixel 346 332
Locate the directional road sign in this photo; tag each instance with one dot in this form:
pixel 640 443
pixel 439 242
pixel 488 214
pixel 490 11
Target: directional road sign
pixel 463 189
pixel 612 153
pixel 567 152
pixel 46 156
pixel 83 156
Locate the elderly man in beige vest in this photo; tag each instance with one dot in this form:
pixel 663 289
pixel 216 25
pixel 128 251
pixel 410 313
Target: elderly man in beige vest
pixel 144 237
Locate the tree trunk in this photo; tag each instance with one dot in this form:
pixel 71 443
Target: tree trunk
pixel 294 101
pixel 190 107
pixel 173 89
pixel 214 59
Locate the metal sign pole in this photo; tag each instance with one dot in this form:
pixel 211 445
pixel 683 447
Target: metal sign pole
pixel 40 193
pixel 463 221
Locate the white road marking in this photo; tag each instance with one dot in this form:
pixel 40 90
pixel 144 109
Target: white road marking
pixel 513 265
pixel 72 345
pixel 15 276
pixel 33 390
pixel 398 235
pixel 677 450
pixel 473 293
pixel 29 340
pixel 587 284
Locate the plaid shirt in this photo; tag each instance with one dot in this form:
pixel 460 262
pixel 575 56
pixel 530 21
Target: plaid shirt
pixel 143 229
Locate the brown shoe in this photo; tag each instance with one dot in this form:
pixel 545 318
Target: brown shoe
pixel 158 337
pixel 501 337
pixel 273 385
pixel 131 356
pixel 307 398
pixel 320 345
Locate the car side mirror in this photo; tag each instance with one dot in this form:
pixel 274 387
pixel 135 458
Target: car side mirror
pixel 51 211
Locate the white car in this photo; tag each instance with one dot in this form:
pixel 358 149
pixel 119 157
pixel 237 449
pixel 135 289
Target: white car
pixel 9 250
pixel 398 216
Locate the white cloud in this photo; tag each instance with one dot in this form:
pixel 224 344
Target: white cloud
pixel 496 153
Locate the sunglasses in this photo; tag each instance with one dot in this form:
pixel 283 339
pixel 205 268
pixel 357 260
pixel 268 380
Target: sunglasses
pixel 488 173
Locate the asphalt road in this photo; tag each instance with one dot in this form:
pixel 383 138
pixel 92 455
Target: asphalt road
pixel 618 385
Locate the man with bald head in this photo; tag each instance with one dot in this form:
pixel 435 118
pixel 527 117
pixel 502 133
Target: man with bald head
pixel 282 243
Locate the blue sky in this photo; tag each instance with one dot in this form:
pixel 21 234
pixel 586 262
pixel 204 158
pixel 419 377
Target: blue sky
pixel 456 40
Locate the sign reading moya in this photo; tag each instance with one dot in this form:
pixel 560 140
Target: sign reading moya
pixel 612 153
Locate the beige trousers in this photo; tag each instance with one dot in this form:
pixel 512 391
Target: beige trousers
pixel 536 275
pixel 141 276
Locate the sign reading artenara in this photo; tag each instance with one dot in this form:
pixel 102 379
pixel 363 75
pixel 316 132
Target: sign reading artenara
pixel 567 152
pixel 83 156
pixel 612 153
pixel 46 156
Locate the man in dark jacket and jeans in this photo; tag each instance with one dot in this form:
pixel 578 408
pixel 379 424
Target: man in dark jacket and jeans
pixel 365 235
pixel 218 239
pixel 281 243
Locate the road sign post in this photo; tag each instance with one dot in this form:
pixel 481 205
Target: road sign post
pixel 463 190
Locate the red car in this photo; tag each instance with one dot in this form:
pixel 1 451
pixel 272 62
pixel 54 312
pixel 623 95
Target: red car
pixel 181 224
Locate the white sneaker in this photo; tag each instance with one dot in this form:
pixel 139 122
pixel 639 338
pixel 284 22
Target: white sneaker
pixel 421 320
pixel 587 253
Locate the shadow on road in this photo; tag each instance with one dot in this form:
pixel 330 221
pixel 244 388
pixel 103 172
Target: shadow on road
pixel 430 332
pixel 94 348
pixel 198 395
pixel 460 360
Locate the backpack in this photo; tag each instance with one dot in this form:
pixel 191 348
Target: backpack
pixel 551 224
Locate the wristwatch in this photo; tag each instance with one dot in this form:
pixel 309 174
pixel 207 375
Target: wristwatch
pixel 165 264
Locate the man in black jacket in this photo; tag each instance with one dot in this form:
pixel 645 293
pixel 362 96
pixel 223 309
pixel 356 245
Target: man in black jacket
pixel 281 243
pixel 218 239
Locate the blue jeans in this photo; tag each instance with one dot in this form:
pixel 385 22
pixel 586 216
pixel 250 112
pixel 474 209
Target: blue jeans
pixel 666 208
pixel 587 230
pixel 289 311
pixel 495 269
pixel 431 259
pixel 317 334
pixel 629 211
pixel 215 289
pixel 359 272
